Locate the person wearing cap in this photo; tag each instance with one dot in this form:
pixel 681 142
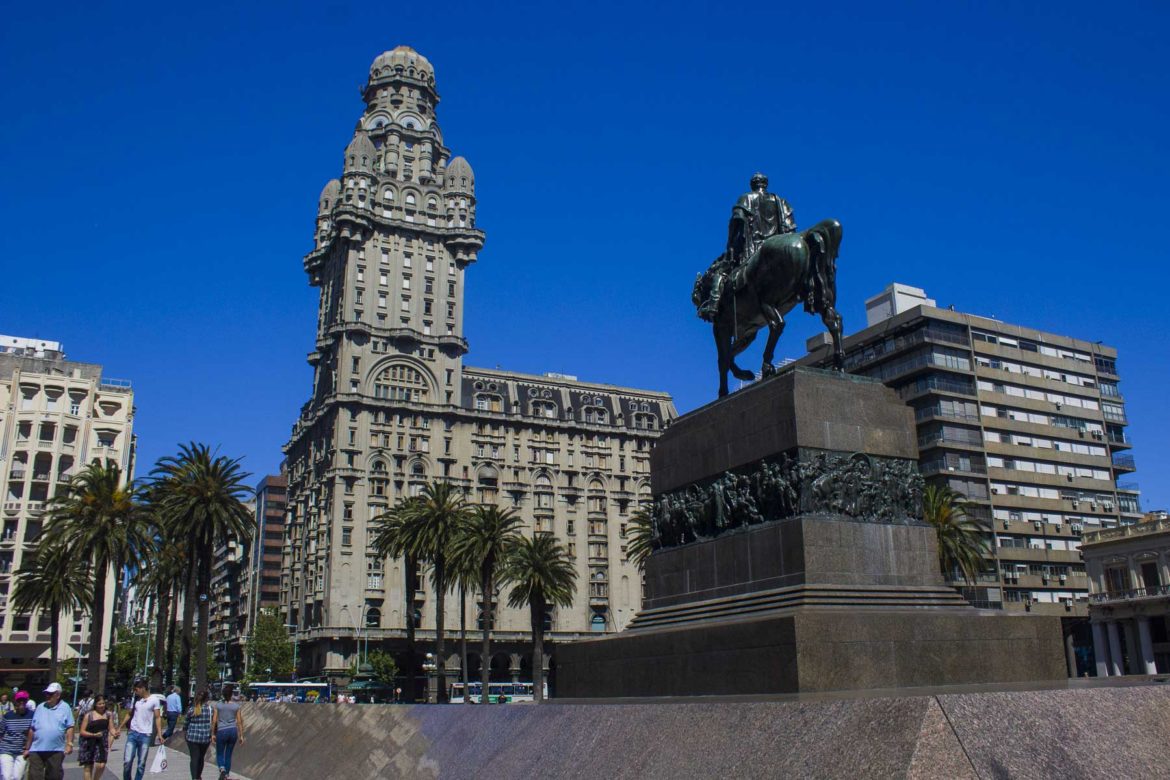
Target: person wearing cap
pixel 13 733
pixel 50 738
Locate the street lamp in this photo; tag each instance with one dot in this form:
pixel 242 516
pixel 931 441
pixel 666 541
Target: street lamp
pixel 296 633
pixel 358 631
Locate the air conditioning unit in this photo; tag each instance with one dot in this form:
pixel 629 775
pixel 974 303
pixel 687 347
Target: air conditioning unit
pixel 1064 578
pixel 1038 525
pixel 1076 529
pixel 1098 435
pixel 1007 523
pixel 1069 477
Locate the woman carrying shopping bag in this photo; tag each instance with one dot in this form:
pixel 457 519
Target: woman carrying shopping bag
pixel 97 730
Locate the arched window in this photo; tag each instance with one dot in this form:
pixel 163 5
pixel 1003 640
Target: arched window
pixel 597 622
pixel 544 409
pixel 373 617
pixel 645 421
pixel 379 478
pixel 543 492
pixel 487 402
pixel 596 415
pixel 487 481
pixel 388 195
pixel 410 199
pixel 402 383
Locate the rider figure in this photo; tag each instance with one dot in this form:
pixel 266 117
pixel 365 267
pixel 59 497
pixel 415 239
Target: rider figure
pixel 756 216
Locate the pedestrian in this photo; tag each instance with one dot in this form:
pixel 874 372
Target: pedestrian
pixel 13 736
pixel 197 729
pixel 5 704
pixel 50 738
pixel 85 705
pixel 227 729
pixel 97 729
pixel 144 720
pixel 174 707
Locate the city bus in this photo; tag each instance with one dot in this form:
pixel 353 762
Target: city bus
pixel 498 693
pixel 300 691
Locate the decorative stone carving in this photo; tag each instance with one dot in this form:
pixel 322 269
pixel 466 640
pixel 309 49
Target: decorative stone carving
pixel 858 486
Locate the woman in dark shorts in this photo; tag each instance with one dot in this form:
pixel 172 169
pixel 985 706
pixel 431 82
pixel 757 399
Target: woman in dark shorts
pixel 96 728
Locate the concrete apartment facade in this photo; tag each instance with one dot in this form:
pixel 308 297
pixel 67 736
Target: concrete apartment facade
pixel 393 407
pixel 56 415
pixel 1129 596
pixel 1028 426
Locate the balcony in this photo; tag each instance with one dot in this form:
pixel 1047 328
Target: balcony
pixel 1123 462
pixel 1127 531
pixel 1133 594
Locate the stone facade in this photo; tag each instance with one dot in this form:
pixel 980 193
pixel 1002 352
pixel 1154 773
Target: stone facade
pixel 56 416
pixel 393 406
pixel 1129 596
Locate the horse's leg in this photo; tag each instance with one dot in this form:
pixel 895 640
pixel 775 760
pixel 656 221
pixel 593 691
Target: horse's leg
pixel 832 320
pixel 723 351
pixel 775 328
pixel 741 374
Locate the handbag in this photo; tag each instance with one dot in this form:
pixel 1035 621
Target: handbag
pixel 160 761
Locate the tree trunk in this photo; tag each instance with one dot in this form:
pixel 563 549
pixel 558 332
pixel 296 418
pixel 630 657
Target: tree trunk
pixel 440 634
pixel 463 640
pixel 485 665
pixel 204 620
pixel 172 626
pixel 189 601
pixel 163 604
pixel 54 638
pixel 94 674
pixel 410 565
pixel 116 618
pixel 537 607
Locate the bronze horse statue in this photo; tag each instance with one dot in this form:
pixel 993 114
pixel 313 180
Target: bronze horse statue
pixel 786 269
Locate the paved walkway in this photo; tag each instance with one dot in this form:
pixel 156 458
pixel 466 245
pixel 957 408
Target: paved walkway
pixel 178 765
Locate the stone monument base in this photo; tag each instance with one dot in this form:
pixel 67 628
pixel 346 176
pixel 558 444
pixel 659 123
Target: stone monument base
pixel 792 559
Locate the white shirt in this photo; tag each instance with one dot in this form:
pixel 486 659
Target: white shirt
pixel 143 719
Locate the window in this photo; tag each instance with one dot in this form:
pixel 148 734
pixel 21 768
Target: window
pixel 401 383
pixel 347 537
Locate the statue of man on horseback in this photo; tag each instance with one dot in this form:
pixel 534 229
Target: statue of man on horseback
pixel 757 215
pixel 767 268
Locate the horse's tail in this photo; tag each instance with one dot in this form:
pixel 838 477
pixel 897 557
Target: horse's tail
pixel 824 240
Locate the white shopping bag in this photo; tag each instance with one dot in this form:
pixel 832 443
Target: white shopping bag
pixel 160 761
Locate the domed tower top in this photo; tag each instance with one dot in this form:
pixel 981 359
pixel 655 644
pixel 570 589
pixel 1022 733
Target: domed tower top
pixel 459 176
pixel 329 196
pixel 360 154
pixel 399 67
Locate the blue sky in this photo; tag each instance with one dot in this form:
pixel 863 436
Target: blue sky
pixel 161 166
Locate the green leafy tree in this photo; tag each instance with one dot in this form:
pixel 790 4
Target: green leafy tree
pixel 270 647
pixel 541 574
pixel 50 582
pixel 200 496
pixel 129 656
pixel 962 546
pixel 639 537
pixel 483 541
pixel 64 677
pixel 384 666
pixel 96 517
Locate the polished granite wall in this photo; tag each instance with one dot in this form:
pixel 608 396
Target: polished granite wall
pixel 1090 732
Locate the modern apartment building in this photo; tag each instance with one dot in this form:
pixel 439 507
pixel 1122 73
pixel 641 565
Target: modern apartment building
pixel 393 407
pixel 1129 599
pixel 56 415
pixel 1028 426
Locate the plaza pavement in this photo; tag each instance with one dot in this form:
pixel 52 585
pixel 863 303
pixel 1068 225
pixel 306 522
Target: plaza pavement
pixel 177 764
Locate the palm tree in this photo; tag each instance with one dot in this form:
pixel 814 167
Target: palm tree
pixel 961 545
pixel 639 537
pixel 201 496
pixel 49 582
pixel 97 518
pixel 542 575
pixel 393 537
pixel 485 540
pixel 436 518
pixel 464 574
pixel 163 578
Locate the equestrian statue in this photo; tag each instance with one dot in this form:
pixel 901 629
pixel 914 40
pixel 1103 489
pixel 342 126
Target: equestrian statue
pixel 767 268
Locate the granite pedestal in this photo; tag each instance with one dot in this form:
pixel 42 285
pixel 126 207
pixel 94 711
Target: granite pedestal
pixel 843 593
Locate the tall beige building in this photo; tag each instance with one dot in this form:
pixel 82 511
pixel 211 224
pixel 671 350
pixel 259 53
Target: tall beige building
pixel 56 415
pixel 393 407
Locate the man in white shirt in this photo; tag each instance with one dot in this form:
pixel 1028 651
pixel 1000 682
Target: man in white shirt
pixel 144 719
